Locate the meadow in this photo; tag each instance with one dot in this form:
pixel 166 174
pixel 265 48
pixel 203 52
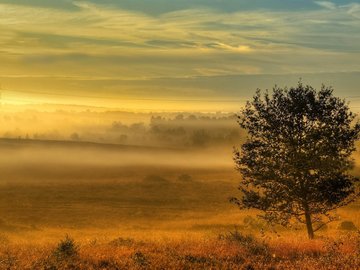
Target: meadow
pixel 78 205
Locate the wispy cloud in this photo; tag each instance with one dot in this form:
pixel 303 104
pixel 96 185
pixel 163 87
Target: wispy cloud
pixel 93 41
pixel 326 4
pixel 354 9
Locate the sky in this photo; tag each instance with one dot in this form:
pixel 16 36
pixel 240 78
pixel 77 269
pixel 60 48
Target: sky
pixel 207 55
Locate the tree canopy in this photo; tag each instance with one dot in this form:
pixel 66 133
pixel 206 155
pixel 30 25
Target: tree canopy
pixel 296 159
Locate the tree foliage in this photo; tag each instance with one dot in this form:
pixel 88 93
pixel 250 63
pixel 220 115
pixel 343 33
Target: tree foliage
pixel 295 162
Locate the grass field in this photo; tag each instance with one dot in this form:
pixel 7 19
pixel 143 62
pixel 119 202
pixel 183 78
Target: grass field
pixel 137 207
pixel 185 251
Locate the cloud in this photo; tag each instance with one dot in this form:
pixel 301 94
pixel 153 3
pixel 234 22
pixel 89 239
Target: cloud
pixel 326 4
pixel 353 9
pixel 233 48
pixel 101 41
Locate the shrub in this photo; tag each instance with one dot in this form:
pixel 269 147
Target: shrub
pixel 66 248
pixel 347 226
pixel 247 241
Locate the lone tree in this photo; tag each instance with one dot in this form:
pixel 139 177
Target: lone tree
pixel 296 159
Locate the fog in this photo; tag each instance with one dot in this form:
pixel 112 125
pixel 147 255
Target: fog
pixel 79 168
pixel 79 184
pixel 119 127
pixel 32 159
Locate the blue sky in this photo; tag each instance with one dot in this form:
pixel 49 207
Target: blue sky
pixel 182 49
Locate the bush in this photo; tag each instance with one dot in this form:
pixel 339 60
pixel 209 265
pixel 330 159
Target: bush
pixel 66 248
pixel 347 226
pixel 247 241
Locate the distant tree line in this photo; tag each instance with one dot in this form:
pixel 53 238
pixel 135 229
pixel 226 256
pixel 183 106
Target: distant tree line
pixel 187 131
pixel 175 130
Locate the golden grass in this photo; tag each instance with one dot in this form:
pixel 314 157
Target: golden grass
pixel 187 251
pixel 120 222
pixel 190 241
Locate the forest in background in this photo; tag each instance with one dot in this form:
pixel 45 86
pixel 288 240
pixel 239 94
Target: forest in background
pixel 118 127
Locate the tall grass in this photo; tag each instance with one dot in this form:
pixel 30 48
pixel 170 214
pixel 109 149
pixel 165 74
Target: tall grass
pixel 229 251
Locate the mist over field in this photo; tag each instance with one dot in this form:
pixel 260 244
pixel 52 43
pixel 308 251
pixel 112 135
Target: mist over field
pixel 128 171
pixel 120 127
pixel 161 165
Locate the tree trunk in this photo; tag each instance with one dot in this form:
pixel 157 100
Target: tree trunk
pixel 309 226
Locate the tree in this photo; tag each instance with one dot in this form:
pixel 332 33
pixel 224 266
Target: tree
pixel 296 159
